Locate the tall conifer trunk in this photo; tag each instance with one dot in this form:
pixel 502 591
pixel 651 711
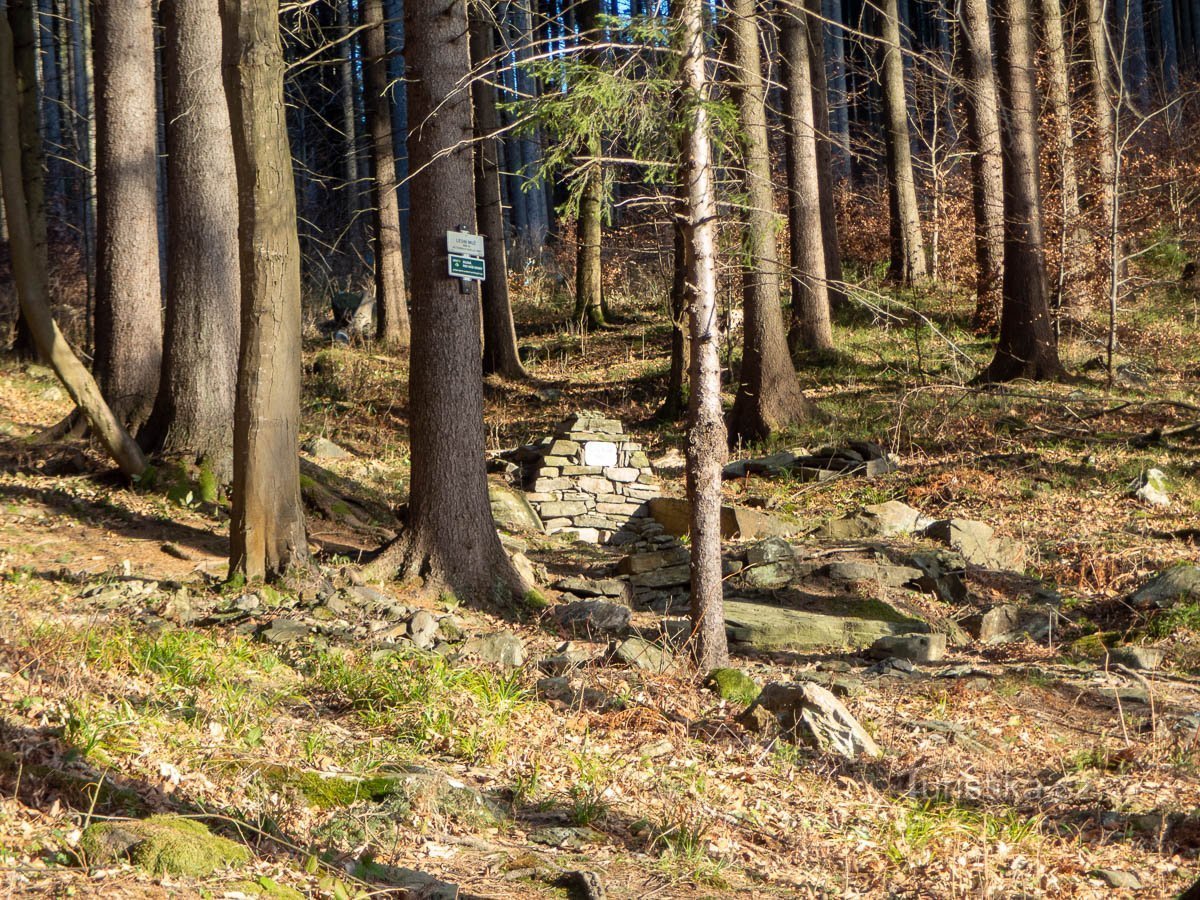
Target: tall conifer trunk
pixel 266 535
pixel 128 287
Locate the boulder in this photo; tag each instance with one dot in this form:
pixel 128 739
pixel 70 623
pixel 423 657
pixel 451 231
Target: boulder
pixel 941 575
pixel 1181 583
pixel 995 625
pixel 501 648
pixel 769 550
pixel 615 588
pixel 849 623
pixel 162 845
pixel 978 543
pixel 423 629
pixel 877 520
pixel 323 448
pixel 511 510
pixel 642 654
pixel 674 514
pixel 811 714
pixel 593 617
pixel 639 563
pixel 919 648
pixel 858 570
pixel 1144 658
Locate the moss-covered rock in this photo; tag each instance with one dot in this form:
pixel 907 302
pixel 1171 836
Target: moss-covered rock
pixel 329 791
pixel 732 684
pixel 266 887
pixel 162 845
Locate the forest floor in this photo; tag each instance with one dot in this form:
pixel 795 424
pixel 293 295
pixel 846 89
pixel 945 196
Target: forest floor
pixel 1013 770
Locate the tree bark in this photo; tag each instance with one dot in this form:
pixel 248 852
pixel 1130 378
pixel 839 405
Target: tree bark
pixel 349 125
pixel 266 534
pixel 987 169
pixel 769 397
pixel 193 415
pixel 30 276
pixel 907 264
pixel 1072 242
pixel 391 290
pixel 451 539
pixel 589 288
pixel 706 431
pixel 1104 108
pixel 22 16
pixel 128 286
pixel 820 105
pixel 1027 346
pixel 674 401
pixel 500 354
pixel 810 327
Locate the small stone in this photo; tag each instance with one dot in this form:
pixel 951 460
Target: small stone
pixel 810 713
pixel 564 508
pixel 549 485
pixel 52 394
pixel 501 648
pixel 732 684
pixel 594 485
pixel 1117 879
pixel 563 448
pixel 587 535
pixel 568 658
pixel 581 470
pixel 323 448
pixel 622 475
pixel 1144 658
pixel 285 631
pixel 1151 487
pixel 600 587
pixel 669 576
pixel 593 617
pixel 423 629
pixel 638 563
pixel 881 519
pixel 770 550
pixel 922 648
pixel 643 654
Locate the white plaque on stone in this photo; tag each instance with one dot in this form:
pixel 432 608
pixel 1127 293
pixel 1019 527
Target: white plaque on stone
pixel 599 453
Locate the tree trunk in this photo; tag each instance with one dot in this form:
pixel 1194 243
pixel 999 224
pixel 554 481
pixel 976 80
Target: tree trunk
pixel 29 275
pixel 810 327
pixel 675 402
pixel 532 199
pixel 835 57
pixel 1027 347
pixel 769 397
pixel 907 264
pixel 128 286
pixel 451 539
pixel 266 534
pixel 589 289
pixel 820 105
pixel 706 432
pixel 1099 57
pixel 22 16
pixel 349 125
pixel 1072 243
pixel 987 169
pixel 1169 44
pixel 500 354
pixel 193 415
pixel 391 290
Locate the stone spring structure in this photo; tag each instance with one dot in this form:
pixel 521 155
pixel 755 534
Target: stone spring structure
pixel 589 477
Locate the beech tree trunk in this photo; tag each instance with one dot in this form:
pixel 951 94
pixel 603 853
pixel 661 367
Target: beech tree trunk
pixel 820 105
pixel 1027 347
pixel 451 539
pixel 675 402
pixel 706 438
pixel 500 354
pixel 1072 243
pixel 349 125
pixel 391 290
pixel 193 415
pixel 128 289
pixel 769 397
pixel 29 274
pixel 810 327
pixel 22 16
pixel 589 287
pixel 266 534
pixel 1105 110
pixel 987 169
pixel 907 264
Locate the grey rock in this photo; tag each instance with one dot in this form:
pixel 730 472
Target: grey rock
pixel 52 394
pixel 1117 879
pixel 921 648
pixel 563 508
pixel 941 575
pixel 774 464
pixel 674 515
pixel 323 448
pixel 996 625
pixel 767 575
pixel 671 576
pixel 892 665
pixel 588 587
pixel 855 570
pixel 642 654
pixel 593 617
pixel 423 629
pixel 285 631
pixel 979 544
pixel 369 597
pixel 1181 583
pixel 811 714
pixel 1144 658
pixel 770 627
pixel 1151 487
pixel 501 648
pixel 568 658
pixel 511 510
pixel 877 520
pixel 772 549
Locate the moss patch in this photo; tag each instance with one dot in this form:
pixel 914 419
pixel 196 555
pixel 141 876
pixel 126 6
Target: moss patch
pixel 266 887
pixel 162 845
pixel 330 791
pixel 732 684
